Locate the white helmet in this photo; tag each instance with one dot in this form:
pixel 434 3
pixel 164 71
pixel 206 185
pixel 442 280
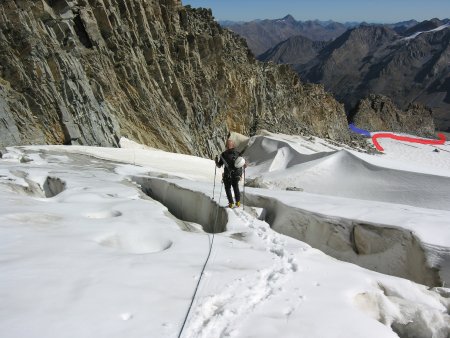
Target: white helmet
pixel 239 163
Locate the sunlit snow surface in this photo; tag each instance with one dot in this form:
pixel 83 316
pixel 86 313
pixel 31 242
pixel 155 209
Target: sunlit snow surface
pixel 413 36
pixel 85 253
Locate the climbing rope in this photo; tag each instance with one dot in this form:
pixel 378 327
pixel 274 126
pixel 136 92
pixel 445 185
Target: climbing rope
pixel 204 265
pixel 215 171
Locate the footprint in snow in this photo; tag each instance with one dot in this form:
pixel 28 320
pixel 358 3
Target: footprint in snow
pixel 126 316
pixel 103 214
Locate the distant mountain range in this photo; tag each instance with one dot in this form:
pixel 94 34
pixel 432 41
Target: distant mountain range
pixel 264 34
pixel 407 61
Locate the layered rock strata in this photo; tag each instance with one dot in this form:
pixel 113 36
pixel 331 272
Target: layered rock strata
pixel 90 71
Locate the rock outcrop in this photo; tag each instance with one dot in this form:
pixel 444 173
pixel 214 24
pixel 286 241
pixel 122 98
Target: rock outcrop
pixel 91 71
pixel 379 113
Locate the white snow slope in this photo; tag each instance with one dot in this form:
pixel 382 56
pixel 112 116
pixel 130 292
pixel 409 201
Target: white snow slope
pixel 85 253
pixel 413 36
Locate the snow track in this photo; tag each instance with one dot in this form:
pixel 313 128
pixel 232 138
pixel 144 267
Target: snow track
pixel 219 315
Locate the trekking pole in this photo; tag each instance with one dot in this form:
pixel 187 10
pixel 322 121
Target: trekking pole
pixel 215 171
pixel 243 193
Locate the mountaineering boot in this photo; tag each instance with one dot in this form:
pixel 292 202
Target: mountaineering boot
pixel 231 205
pixel 238 204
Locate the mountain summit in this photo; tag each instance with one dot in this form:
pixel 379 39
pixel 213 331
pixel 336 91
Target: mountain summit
pixel 289 19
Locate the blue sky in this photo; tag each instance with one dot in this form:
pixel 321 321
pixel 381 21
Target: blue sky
pixel 380 11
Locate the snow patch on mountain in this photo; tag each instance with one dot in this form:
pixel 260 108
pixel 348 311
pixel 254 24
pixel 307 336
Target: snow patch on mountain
pixel 413 36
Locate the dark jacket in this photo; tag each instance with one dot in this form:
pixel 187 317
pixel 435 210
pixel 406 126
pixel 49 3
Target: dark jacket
pixel 227 158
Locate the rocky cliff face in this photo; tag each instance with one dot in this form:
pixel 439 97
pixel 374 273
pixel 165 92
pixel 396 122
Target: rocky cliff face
pixel 296 50
pixel 379 113
pixel 413 69
pixel 343 64
pixel 90 71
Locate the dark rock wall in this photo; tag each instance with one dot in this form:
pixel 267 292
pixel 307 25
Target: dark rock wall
pixel 90 71
pixel 379 113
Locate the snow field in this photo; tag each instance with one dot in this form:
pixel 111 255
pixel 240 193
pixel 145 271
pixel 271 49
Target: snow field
pixel 114 274
pixel 87 263
pixel 345 196
pixel 212 318
pixel 342 174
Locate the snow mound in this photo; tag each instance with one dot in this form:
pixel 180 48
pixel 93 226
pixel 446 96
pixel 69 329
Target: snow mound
pixel 345 175
pixel 266 154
